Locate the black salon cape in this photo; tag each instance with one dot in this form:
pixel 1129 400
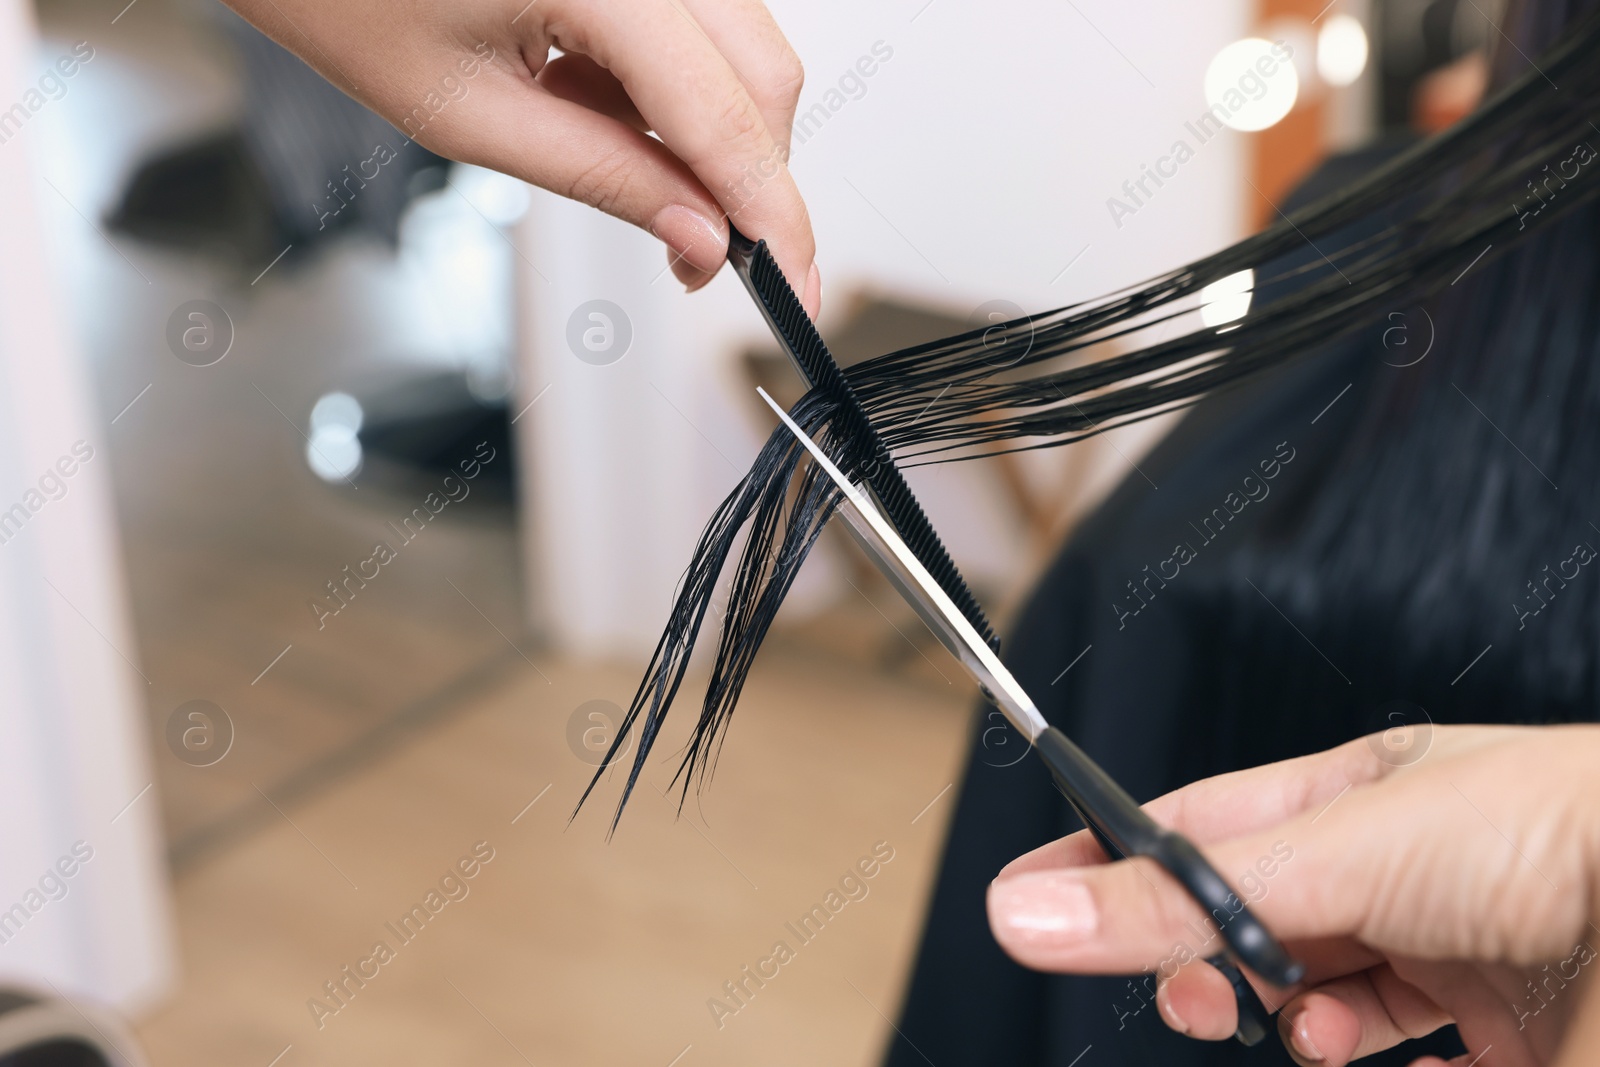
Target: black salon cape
pixel 1140 702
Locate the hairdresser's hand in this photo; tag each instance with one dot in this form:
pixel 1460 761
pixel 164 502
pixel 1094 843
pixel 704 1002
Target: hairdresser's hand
pixel 1417 896
pixel 714 79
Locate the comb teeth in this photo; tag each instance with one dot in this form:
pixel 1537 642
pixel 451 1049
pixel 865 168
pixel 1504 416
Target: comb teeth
pixel 789 318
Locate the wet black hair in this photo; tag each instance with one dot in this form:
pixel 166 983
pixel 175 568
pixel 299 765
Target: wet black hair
pixel 1489 226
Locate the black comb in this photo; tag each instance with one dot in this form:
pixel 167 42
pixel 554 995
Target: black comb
pixel 752 261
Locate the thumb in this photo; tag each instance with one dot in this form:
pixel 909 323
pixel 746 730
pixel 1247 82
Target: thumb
pixel 1263 830
pixel 1118 918
pixel 1417 888
pixel 1131 916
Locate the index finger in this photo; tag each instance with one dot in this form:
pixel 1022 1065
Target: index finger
pixel 694 100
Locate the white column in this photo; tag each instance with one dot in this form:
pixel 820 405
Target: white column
pixel 74 769
pixel 616 456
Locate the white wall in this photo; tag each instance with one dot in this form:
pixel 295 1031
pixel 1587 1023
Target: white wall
pixel 975 166
pixel 72 748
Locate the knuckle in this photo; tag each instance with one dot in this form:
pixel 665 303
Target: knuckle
pixel 787 78
pixel 740 122
pixel 604 184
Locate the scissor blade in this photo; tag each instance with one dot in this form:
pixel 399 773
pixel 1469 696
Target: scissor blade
pixel 911 579
pixel 1117 821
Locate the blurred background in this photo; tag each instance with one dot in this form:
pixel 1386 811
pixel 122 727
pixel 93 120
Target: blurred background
pixel 339 514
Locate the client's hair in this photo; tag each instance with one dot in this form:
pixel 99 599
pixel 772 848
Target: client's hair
pixel 1447 207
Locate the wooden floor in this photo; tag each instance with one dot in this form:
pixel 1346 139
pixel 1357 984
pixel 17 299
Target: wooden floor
pixel 566 949
pixel 372 754
pixel 227 535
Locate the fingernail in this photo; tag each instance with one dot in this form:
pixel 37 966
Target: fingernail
pixel 1300 1039
pixel 1049 909
pixel 693 238
pixel 1168 1012
pixel 691 276
pixel 812 301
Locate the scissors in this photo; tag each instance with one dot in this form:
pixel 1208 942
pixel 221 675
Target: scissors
pixel 1117 822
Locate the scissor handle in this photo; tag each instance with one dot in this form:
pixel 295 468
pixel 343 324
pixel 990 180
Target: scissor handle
pixel 1123 830
pixel 1255 1021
